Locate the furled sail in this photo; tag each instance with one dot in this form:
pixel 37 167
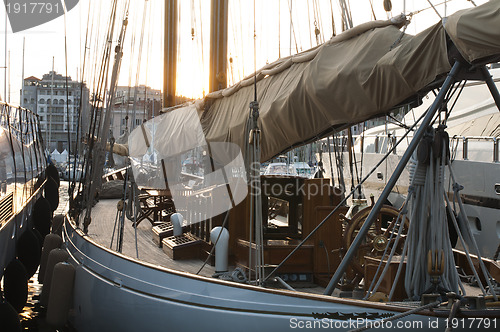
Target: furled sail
pixel 359 74
pixel 475 32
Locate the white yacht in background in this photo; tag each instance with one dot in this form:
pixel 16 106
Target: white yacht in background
pixel 474 130
pixel 304 170
pixel 280 169
pixel 28 197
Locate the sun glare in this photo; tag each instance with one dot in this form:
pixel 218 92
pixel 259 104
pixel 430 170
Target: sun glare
pixel 281 28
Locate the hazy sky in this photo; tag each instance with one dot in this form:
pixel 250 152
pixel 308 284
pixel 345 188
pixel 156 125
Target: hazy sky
pixel 272 21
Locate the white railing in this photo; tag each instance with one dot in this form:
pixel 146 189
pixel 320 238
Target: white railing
pixel 465 145
pixel 382 143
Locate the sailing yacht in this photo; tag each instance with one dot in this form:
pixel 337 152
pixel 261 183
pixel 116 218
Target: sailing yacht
pixel 145 260
pixel 28 197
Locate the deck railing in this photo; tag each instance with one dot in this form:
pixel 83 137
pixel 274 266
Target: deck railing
pixel 465 145
pixel 384 142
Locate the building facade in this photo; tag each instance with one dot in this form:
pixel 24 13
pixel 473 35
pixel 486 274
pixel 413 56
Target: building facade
pixel 130 111
pixel 58 108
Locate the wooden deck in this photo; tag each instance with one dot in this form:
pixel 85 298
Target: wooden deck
pixel 104 215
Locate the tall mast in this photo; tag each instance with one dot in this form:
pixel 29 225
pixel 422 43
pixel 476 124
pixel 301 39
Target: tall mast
pixel 218 45
pixel 170 52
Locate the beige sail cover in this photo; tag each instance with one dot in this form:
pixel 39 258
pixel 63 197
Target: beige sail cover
pixel 475 31
pixel 346 82
pixel 362 73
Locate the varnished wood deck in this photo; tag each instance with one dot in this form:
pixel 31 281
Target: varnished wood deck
pixel 104 214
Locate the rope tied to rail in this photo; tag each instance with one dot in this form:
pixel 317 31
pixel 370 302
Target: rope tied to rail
pixel 455 307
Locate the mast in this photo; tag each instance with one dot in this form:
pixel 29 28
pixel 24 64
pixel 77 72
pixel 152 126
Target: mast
pixel 218 45
pixel 170 52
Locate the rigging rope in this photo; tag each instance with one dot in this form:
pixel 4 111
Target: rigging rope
pixel 200 41
pixel 78 146
pixel 309 25
pixel 397 122
pixel 126 98
pixel 139 58
pixel 94 180
pixel 318 23
pixel 330 160
pixel 346 15
pixel 434 7
pixel 279 29
pixel 292 29
pixel 435 10
pixel 96 99
pixel 429 227
pixel 462 241
pixel 339 162
pixel 468 230
pixel 373 11
pixel 360 175
pixel 333 20
pixel 150 39
pixel 235 42
pixel 68 113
